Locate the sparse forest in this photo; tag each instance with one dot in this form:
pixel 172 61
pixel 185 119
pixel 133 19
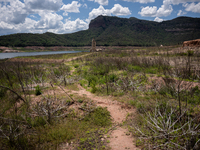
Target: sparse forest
pixel 42 107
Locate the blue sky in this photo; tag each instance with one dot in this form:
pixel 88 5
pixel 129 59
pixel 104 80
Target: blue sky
pixel 68 16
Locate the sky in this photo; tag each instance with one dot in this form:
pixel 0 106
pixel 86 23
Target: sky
pixel 69 16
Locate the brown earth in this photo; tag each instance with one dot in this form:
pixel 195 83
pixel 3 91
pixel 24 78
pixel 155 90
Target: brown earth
pixel 120 138
pixel 192 43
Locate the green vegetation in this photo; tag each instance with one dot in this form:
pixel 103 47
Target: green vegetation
pixel 37 90
pixel 166 96
pixel 162 85
pixel 114 31
pixel 29 120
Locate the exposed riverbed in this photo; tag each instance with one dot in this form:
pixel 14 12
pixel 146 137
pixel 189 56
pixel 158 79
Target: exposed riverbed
pixel 12 55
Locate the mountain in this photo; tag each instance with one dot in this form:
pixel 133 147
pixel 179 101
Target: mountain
pixel 109 31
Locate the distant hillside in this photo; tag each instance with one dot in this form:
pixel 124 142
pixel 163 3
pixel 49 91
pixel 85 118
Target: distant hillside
pixel 116 31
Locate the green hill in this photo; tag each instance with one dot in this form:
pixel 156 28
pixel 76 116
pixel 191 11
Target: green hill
pixel 116 31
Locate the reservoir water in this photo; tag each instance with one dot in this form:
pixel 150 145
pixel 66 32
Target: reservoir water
pixel 11 55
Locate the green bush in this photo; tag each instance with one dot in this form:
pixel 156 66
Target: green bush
pixel 83 82
pixel 190 53
pixel 194 100
pixel 133 102
pixel 92 140
pixel 80 100
pixel 38 121
pixel 101 69
pixel 38 90
pixel 92 80
pixel 113 77
pixel 123 54
pixel 100 116
pixel 94 89
pixel 57 72
pixel 136 68
pixel 151 70
pixel 182 54
pixel 76 66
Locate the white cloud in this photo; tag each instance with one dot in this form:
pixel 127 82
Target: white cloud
pixel 32 16
pixel 27 26
pixel 157 19
pixel 16 12
pixel 65 14
pixel 192 7
pixel 99 11
pixel 13 13
pixel 78 24
pixel 176 2
pixel 22 15
pixel 53 5
pixel 73 7
pixel 13 17
pixel 180 13
pixel 141 1
pixel 49 20
pixel 148 11
pixel 5 1
pixel 85 5
pixel 164 10
pixel 118 10
pixel 5 25
pixel 101 2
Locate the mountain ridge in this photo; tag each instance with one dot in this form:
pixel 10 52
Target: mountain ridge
pixel 115 31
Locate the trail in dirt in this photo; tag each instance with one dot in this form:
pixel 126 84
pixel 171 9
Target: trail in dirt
pixel 120 139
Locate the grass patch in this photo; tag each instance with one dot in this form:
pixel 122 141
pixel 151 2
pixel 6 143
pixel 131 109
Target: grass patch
pixel 100 116
pixel 72 86
pixel 94 139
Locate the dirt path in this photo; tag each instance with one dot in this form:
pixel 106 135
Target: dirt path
pixel 120 137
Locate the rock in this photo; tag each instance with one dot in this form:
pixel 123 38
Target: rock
pixel 192 43
pixel 93 49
